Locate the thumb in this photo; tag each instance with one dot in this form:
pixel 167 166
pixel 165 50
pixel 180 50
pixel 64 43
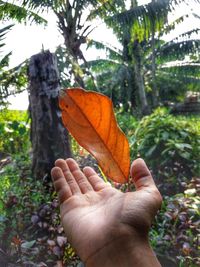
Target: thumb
pixel 141 175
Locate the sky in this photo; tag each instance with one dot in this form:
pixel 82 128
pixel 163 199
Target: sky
pixel 27 40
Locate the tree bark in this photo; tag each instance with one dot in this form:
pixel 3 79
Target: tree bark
pixel 48 136
pixel 75 34
pixel 155 93
pixel 139 78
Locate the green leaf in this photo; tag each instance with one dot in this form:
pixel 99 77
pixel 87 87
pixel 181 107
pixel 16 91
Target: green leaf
pixel 183 146
pixel 165 135
pixel 185 155
pixel 14 125
pixel 28 244
pixel 22 130
pixel 150 151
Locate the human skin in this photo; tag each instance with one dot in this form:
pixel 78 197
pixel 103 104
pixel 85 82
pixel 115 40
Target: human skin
pixel 106 227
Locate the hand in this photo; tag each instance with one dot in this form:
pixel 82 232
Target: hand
pixel 105 226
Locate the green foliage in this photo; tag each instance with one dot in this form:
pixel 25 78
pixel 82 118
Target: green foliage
pixel 64 65
pixel 30 221
pixel 30 228
pixel 177 66
pixel 16 196
pixel 146 25
pixel 20 196
pixel 21 14
pixel 142 19
pixel 13 80
pixel 14 131
pixel 170 145
pixel 114 75
pixel 75 28
pixel 127 122
pixel 176 227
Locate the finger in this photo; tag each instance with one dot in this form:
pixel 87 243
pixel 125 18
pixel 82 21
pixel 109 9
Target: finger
pixel 96 182
pixel 61 163
pixel 144 181
pixel 79 176
pixel 141 175
pixel 60 184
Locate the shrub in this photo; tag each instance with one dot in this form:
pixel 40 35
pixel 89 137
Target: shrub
pixel 14 131
pixel 19 193
pixel 175 234
pixel 171 147
pixel 127 122
pixel 30 230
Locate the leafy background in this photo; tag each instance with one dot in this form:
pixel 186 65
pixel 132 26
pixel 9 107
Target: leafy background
pixel 149 79
pixel 30 230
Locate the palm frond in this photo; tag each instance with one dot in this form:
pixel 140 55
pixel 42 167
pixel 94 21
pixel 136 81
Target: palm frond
pixel 178 50
pixel 143 18
pixel 180 74
pixel 175 3
pixel 4 59
pixel 107 8
pixel 102 65
pixel 112 52
pixel 4 30
pixel 186 35
pixel 185 68
pixel 13 81
pixel 19 13
pixel 196 16
pixel 63 5
pixel 42 5
pixel 171 26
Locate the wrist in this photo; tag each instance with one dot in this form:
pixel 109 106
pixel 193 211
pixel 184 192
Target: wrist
pixel 124 252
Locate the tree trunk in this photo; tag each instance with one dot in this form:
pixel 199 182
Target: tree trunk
pixel 155 93
pixel 69 23
pixel 139 78
pixel 48 136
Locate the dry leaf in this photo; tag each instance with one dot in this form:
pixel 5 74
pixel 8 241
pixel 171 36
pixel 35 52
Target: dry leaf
pixel 90 118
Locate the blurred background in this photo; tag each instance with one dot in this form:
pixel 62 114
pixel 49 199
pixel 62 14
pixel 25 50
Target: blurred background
pixel 145 56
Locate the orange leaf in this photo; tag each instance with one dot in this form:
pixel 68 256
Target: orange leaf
pixel 90 118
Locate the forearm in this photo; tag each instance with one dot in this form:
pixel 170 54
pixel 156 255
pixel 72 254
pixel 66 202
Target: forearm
pixel 124 255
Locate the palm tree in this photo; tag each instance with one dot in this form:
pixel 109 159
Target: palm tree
pixel 140 29
pixel 13 80
pixel 114 76
pixel 141 21
pixel 48 142
pixel 74 22
pixel 178 61
pixel 18 13
pixel 127 26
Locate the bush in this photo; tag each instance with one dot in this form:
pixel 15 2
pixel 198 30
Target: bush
pixel 127 122
pixel 171 147
pixel 175 233
pixel 19 192
pixel 14 131
pixel 30 230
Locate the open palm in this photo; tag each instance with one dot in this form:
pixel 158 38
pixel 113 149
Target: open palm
pixel 95 215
